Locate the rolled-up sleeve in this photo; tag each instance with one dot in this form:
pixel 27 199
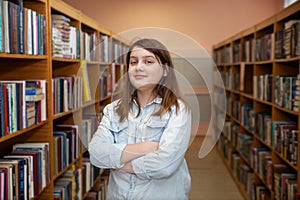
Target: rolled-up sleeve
pixel 172 147
pixel 104 153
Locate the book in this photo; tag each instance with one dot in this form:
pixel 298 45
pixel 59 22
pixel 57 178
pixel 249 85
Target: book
pixel 34 169
pixel 28 173
pixel 9 169
pixel 44 159
pixel 23 175
pixel 85 81
pixel 33 91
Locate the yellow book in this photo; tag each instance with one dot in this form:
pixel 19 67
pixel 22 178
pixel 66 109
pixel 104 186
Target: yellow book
pixel 86 84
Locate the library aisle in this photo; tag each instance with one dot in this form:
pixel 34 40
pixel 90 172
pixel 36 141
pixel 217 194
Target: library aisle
pixel 210 178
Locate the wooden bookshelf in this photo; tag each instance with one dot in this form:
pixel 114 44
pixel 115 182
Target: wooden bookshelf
pixel 259 68
pixel 47 65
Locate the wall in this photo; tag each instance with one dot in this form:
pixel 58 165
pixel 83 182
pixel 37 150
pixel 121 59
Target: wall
pixel 206 21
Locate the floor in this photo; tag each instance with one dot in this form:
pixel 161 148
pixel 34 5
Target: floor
pixel 210 177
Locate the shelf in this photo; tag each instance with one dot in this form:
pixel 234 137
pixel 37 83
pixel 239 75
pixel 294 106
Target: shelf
pixel 65 169
pixel 68 91
pixel 57 116
pixel 286 110
pixel 286 60
pixel 262 36
pixel 65 60
pixel 20 132
pixel 23 56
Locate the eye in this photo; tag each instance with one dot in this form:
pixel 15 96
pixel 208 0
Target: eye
pixel 133 62
pixel 149 61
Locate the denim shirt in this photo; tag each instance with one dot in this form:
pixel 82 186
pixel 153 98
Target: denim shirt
pixel 159 175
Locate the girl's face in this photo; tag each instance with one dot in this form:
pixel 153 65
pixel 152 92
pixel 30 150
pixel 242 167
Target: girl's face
pixel 145 71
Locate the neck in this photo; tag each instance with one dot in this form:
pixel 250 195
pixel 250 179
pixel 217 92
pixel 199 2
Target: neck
pixel 144 98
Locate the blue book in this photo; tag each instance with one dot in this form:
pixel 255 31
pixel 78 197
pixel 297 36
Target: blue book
pixel 33 91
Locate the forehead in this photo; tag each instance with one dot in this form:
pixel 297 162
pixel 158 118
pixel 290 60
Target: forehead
pixel 140 52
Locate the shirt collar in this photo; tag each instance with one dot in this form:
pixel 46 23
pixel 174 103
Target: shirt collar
pixel 157 100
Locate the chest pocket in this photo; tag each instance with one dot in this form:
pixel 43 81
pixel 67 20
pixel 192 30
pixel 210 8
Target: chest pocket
pixel 154 128
pixel 119 131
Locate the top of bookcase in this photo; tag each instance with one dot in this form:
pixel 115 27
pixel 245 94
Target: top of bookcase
pixel 288 11
pixel 66 9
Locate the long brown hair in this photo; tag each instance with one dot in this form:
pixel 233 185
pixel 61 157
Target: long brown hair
pixel 167 88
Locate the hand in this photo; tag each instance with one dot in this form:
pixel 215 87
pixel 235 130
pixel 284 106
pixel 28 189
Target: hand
pixel 133 151
pixel 150 146
pixel 127 168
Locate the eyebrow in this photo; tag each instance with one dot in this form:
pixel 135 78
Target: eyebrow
pixel 143 57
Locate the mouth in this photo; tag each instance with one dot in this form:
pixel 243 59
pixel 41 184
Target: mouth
pixel 139 76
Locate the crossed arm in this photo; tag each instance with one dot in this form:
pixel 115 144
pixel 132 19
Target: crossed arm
pixel 133 151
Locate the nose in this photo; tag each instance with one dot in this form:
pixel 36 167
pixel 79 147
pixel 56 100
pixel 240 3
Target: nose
pixel 139 66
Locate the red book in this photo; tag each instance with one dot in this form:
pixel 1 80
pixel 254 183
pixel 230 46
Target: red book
pixel 5 108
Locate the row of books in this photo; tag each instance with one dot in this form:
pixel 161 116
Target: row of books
pixel 262 87
pixel 105 83
pixel 89 124
pixel 99 194
pixel 66 145
pixel 250 50
pixel 65 38
pixel 223 55
pixel 90 45
pixel 236 48
pixel 284 140
pixel 68 185
pixel 281 135
pixel 22 104
pixel 231 132
pixel 275 177
pixel 67 93
pixel 244 145
pixel 66 41
pixel 247 116
pixel 263 44
pixel 287 40
pixel 25 172
pixel 22 30
pixel 105 48
pixel 286 45
pixel 231 80
pixel 260 157
pixel 285 91
pixel 235 109
pixel 224 146
pixel 91 173
pixel 296 103
pixel 285 88
pixel 77 181
pixel 96 47
pixel 245 175
pixel 263 121
pixel 119 51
